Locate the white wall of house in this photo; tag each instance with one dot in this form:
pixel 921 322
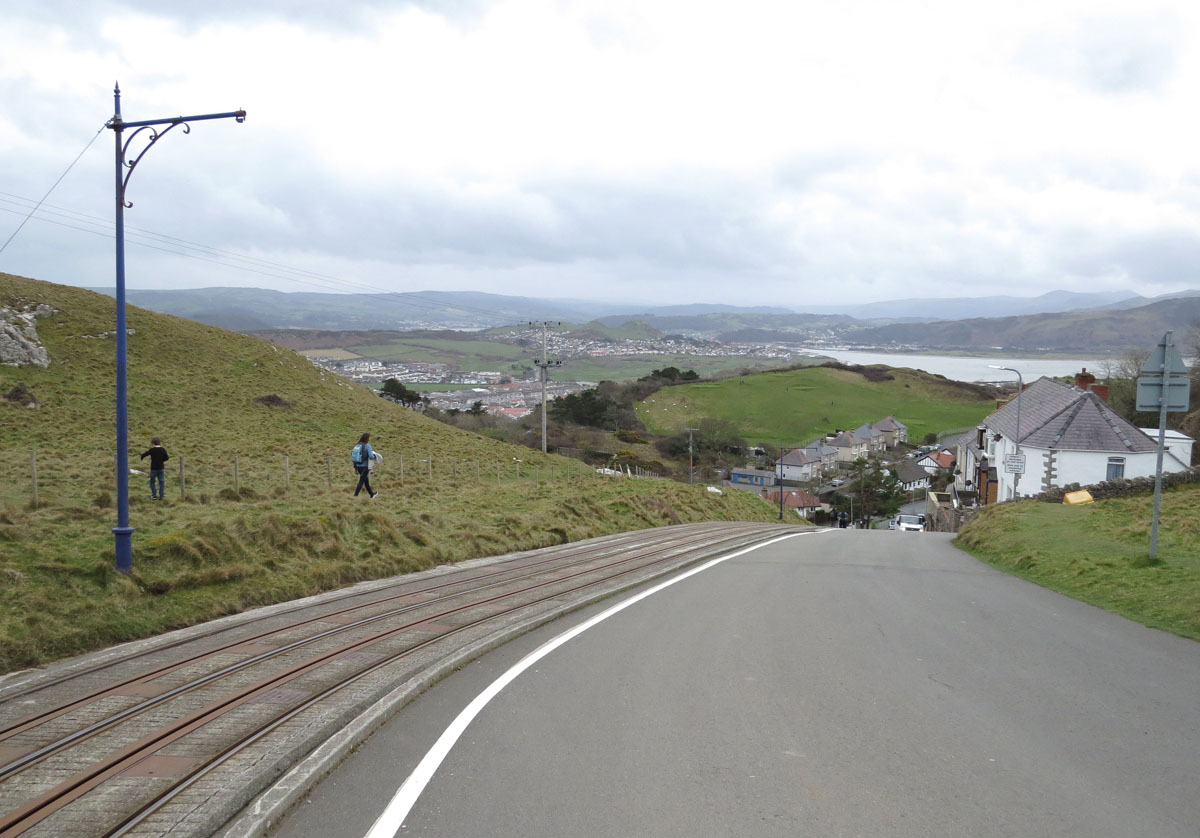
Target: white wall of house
pixel 804 472
pixel 1082 467
pixel 1175 442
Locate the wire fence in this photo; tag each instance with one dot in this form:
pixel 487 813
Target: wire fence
pixel 44 477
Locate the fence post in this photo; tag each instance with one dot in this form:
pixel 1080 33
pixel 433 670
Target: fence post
pixel 287 473
pixel 33 465
pixel 237 489
pixel 182 483
pixel 329 473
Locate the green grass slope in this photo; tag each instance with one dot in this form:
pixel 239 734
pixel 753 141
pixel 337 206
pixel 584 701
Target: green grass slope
pixel 268 514
pixel 792 407
pixel 1099 553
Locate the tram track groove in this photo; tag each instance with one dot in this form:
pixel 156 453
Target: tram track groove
pixel 425 624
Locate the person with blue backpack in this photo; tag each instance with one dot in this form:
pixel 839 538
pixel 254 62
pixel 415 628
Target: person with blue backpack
pixel 361 456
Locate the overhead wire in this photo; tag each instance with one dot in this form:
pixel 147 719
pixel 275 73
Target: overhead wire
pixel 51 189
pixel 255 265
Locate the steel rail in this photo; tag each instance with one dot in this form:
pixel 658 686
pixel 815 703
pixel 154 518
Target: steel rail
pixel 16 821
pixel 48 684
pixel 25 760
pixel 200 771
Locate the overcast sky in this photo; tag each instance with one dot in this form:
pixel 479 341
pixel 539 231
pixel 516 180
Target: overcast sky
pixel 654 151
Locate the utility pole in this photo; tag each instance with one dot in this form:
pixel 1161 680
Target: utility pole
pixel 691 461
pixel 123 533
pixel 781 483
pixel 542 364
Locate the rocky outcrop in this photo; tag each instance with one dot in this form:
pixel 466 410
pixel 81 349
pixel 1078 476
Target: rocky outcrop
pixel 19 342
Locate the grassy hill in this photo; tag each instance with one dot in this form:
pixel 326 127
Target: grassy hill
pixel 264 438
pixel 792 407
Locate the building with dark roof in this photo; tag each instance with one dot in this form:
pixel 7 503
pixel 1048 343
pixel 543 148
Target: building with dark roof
pixel 1066 435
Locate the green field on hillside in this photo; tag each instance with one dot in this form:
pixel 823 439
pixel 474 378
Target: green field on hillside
pixel 793 407
pixel 268 515
pixel 467 354
pixel 631 367
pixel 1099 553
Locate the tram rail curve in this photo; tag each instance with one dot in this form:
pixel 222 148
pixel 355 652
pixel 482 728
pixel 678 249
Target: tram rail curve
pixel 176 738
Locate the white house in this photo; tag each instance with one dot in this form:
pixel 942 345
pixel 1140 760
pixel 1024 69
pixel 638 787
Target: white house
pixel 912 476
pixel 1178 444
pixel 1067 435
pixel 798 464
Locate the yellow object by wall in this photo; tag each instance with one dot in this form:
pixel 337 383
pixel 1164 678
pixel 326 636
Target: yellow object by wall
pixel 1075 498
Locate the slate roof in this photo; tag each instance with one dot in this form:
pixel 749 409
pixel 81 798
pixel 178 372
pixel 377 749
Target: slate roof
pixel 1065 418
pixel 909 472
pixel 795 457
pixel 865 432
pixel 890 423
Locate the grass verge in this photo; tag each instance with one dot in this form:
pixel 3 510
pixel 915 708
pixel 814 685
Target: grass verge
pixel 195 561
pixel 1099 553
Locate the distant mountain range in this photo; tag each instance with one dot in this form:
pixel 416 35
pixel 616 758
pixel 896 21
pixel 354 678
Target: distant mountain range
pixel 1055 321
pixel 959 308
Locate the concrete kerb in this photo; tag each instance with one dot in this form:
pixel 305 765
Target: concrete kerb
pixel 265 811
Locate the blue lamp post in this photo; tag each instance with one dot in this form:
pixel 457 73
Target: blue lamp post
pixel 122 532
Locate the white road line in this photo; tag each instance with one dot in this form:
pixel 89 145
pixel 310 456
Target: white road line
pixel 392 819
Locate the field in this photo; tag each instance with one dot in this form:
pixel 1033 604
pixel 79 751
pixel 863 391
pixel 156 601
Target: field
pixel 266 511
pixel 467 354
pixel 793 407
pixel 1099 553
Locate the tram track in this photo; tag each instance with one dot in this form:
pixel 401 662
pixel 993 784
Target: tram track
pixel 194 728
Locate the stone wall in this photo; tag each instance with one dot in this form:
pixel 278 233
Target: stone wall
pixel 1123 486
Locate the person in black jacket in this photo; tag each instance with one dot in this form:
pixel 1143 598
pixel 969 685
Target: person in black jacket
pixel 158 458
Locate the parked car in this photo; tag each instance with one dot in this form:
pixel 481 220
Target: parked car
pixel 837 481
pixel 908 523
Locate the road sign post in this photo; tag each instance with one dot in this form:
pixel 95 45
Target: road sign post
pixel 1163 386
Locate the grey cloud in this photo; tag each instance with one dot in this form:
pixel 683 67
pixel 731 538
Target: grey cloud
pixel 1108 55
pixel 351 15
pixel 1165 258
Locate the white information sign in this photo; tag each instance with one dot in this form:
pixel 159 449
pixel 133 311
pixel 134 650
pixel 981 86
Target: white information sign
pixel 1014 464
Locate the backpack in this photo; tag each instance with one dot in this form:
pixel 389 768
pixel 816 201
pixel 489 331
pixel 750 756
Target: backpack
pixel 356 454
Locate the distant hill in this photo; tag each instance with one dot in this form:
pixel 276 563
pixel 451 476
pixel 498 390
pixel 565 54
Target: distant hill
pixel 253 309
pixel 718 325
pixel 957 308
pixel 1081 331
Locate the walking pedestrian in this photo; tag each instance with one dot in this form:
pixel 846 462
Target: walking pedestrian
pixel 361 456
pixel 158 458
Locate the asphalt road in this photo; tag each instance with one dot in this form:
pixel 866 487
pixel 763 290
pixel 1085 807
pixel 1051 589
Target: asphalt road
pixel 847 683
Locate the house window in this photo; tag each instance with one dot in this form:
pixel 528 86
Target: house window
pixel 1116 468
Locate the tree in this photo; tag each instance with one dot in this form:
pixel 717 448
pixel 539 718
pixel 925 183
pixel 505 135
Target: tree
pixel 477 409
pixel 396 391
pixel 877 492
